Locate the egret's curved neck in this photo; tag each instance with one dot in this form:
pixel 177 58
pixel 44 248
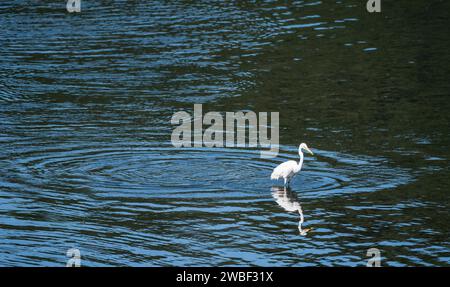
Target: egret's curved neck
pixel 300 163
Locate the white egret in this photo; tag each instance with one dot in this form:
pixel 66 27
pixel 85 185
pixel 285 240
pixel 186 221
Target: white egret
pixel 287 170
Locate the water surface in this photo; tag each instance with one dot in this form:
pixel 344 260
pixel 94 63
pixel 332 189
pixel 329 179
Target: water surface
pixel 86 160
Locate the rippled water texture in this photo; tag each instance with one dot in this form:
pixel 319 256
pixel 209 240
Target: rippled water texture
pixel 86 160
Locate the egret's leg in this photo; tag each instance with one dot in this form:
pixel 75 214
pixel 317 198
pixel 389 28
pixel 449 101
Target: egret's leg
pixel 285 181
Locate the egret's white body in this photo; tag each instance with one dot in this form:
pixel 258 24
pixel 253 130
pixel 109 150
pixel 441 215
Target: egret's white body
pixel 287 170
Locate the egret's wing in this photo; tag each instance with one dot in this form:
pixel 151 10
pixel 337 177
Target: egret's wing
pixel 283 170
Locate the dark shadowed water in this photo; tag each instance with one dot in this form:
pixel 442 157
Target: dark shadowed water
pixel 86 160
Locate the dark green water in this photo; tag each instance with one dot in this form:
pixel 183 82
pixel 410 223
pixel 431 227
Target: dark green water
pixel 86 160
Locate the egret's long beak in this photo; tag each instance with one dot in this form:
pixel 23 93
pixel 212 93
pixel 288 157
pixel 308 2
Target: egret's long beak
pixel 308 150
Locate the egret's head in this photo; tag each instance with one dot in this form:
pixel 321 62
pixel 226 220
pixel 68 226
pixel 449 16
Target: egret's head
pixel 305 147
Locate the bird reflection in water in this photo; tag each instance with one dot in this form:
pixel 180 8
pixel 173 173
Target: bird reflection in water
pixel 287 199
